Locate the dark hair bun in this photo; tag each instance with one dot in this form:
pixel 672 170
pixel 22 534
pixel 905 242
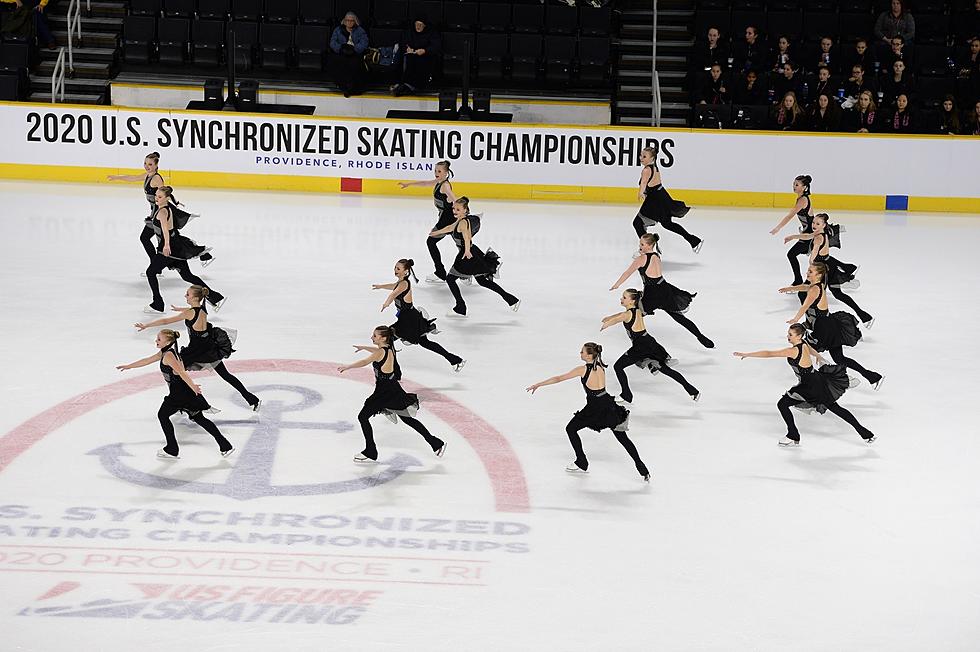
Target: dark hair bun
pixel 411 263
pixel 176 335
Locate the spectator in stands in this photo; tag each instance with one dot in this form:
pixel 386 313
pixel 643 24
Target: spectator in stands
pixel 949 117
pixel 893 85
pixel 860 54
pixel 902 120
pixel 750 53
pixel 713 88
pixel 349 41
pixel 824 83
pixel 788 82
pixel 824 114
pixel 863 118
pixel 826 56
pixel 898 52
pixel 421 45
pixel 787 116
pixel 709 51
pixel 781 56
pixel 44 36
pixel 749 90
pixel 971 126
pixel 895 22
pixel 968 73
pixel 858 83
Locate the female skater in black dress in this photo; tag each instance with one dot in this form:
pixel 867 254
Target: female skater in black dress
pixel 838 273
pixel 413 325
pixel 600 411
pixel 658 205
pixel 816 389
pixel 185 396
pixel 442 195
pixel 829 331
pixel 470 261
pixel 645 352
pixel 658 294
pixel 209 345
pixel 388 398
pixel 173 251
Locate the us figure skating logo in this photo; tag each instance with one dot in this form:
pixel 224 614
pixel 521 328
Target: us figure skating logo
pixel 251 476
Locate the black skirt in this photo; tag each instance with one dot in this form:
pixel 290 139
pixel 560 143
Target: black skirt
pixel 183 398
pixel 659 206
pixel 181 248
pixel 412 325
pixel 664 296
pixel 481 264
pixel 834 330
pixel 601 412
pixel 207 350
pixel 648 353
pixel 820 388
pixel 389 397
pixel 837 275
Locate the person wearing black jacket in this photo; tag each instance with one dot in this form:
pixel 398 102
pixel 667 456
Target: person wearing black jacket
pixel 864 117
pixel 893 85
pixel 709 51
pixel 949 117
pixel 902 119
pixel 859 54
pixel 421 46
pixel 824 115
pixel 750 90
pixel 750 53
pixel 787 116
pixel 826 56
pixel 858 82
pixel 788 82
pixel 824 83
pixel 713 88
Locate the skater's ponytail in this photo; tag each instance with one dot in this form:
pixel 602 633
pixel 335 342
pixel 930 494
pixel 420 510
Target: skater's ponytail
pixel 200 292
pixel 820 269
pixel 445 164
pixel 823 216
pixel 805 179
pixel 387 333
pixel 650 239
pixel 797 329
pixel 155 156
pixel 465 203
pixel 595 350
pixel 636 296
pixel 171 335
pixel 408 263
pixel 651 151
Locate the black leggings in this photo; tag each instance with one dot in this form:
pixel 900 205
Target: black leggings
pixel 435 347
pixel 690 326
pixel 577 423
pixel 851 303
pixel 158 263
pixel 227 376
pixel 801 248
pixel 669 224
pixel 445 219
pixel 371 449
pixel 786 402
pixel 146 239
pixel 485 281
pixel 166 411
pixel 626 360
pixel 837 353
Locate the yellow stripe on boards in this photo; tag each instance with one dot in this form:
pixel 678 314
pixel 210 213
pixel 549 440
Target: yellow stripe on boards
pixel 525 192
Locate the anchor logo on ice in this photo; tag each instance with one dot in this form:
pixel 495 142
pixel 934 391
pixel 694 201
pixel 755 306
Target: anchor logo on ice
pixel 251 476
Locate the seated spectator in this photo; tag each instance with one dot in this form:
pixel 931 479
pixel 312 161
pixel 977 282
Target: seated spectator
pixel 349 41
pixel 824 83
pixel 788 81
pixel 897 52
pixel 863 118
pixel 971 126
pixel 787 116
pixel 710 51
pixel 858 83
pixel 895 22
pixel 781 56
pixel 893 85
pixel 859 54
pixel 750 90
pixel 751 52
pixel 22 27
pixel 421 45
pixel 968 73
pixel 902 121
pixel 826 56
pixel 949 117
pixel 824 115
pixel 713 88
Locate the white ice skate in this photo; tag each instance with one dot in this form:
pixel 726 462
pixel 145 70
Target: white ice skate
pixel 164 455
pixel 363 459
pixel 459 367
pixel 441 451
pixel 228 453
pixel 516 306
pixel 575 468
pixel 787 442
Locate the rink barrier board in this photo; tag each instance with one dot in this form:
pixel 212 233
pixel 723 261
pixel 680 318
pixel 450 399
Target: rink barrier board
pixel 520 192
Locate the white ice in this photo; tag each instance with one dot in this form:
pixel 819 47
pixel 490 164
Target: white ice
pixel 736 544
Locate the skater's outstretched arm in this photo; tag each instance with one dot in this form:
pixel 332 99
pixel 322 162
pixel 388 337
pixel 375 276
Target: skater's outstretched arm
pixel 634 266
pixel 185 314
pixel 611 320
pixel 131 177
pixel 424 182
pixel 444 231
pixel 577 372
pixel 140 363
pixel 383 286
pixel 797 207
pixel 798 236
pixel 811 297
pixel 644 180
pixel 789 289
pixel 788 352
pixel 375 356
pixel 399 287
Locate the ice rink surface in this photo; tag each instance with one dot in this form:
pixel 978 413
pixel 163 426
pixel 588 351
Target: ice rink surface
pixel 736 544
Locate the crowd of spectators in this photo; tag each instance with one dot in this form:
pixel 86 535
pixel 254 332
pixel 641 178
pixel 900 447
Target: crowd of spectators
pixel 816 83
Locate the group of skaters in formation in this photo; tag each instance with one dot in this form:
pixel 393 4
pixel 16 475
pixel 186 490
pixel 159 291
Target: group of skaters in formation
pixel 813 330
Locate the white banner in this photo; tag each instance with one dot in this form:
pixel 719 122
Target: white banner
pixel 506 154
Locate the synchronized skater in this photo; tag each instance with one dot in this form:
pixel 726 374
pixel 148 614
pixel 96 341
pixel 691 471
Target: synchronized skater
pixel 600 411
pixel 443 197
pixel 658 206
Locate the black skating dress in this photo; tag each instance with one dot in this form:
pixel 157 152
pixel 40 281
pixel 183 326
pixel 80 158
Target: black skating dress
pixel 658 205
pixel 179 216
pixel 817 388
pixel 388 396
pixel 443 205
pixel 208 348
pixel 413 323
pixel 601 410
pixel 181 247
pixel 658 294
pixel 646 350
pixel 180 396
pixel 481 264
pixel 830 330
pixel 837 272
